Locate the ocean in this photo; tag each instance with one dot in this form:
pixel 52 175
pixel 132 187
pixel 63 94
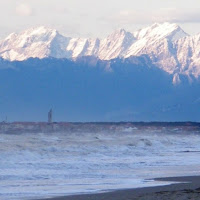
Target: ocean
pixel 41 165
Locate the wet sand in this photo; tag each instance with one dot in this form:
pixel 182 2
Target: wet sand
pixel 190 189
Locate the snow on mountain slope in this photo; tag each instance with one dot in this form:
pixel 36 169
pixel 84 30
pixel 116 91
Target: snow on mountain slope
pixel 166 44
pixel 158 31
pixel 188 54
pixel 157 42
pixel 35 42
pixel 83 47
pixel 106 49
pixel 115 45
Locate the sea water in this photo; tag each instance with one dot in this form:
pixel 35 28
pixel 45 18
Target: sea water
pixel 46 165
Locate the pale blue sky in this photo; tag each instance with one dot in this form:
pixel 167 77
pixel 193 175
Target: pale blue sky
pixel 96 18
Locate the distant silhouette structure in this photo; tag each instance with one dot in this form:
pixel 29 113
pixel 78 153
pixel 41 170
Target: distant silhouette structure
pixel 50 116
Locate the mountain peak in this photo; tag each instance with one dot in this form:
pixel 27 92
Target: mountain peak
pixel 40 30
pixel 161 30
pixel 115 44
pixel 119 33
pixel 166 24
pixel 166 44
pixel 33 42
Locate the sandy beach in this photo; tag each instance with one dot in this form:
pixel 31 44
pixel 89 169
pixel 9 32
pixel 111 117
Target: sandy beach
pixel 189 188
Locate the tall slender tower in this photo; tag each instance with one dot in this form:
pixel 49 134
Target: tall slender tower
pixel 50 116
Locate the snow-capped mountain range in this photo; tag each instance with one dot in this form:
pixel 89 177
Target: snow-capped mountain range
pixel 166 44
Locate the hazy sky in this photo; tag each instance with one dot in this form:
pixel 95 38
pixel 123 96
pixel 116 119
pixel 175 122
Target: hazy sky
pixel 96 18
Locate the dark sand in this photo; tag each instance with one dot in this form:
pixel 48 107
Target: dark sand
pixel 177 191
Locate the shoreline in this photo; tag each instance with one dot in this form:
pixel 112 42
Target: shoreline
pixel 94 127
pixel 188 187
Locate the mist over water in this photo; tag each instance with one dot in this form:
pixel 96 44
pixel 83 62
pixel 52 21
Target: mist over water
pixel 57 164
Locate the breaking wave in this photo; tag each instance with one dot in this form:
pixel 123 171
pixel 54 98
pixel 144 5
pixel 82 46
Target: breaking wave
pixel 47 165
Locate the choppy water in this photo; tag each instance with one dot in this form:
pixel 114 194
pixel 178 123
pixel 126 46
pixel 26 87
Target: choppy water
pixel 47 165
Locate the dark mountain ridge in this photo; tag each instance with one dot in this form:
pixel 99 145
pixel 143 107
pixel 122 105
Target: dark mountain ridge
pixel 89 89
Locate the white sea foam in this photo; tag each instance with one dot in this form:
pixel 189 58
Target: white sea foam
pixel 47 165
